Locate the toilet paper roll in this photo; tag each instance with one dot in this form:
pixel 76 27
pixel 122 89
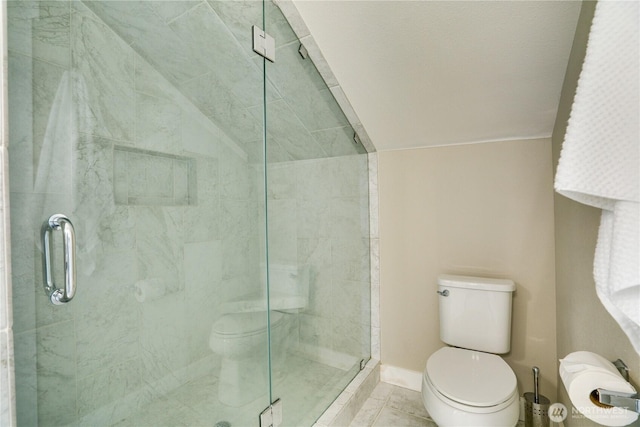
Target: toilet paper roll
pixel 582 372
pixel 150 289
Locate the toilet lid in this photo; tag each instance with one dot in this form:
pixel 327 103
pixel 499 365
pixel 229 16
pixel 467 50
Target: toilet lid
pixel 244 323
pixel 471 377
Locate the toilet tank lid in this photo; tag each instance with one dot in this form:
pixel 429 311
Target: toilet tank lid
pixel 479 283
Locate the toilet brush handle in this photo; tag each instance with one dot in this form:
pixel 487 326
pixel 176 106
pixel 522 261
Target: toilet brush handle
pixel 536 393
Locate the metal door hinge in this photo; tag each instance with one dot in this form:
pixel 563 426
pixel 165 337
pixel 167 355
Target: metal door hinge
pixel 263 44
pixel 272 415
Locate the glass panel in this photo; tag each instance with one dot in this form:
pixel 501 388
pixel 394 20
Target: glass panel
pixel 141 121
pixel 318 226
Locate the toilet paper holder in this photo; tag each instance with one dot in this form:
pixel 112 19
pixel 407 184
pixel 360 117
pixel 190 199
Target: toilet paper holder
pixel 622 368
pixel 619 399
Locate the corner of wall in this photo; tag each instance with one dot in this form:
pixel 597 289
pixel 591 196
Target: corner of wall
pixel 574 66
pixel 569 86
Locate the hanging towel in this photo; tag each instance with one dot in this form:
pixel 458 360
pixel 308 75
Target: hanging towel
pixel 600 158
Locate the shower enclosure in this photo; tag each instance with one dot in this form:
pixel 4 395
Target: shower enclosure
pixel 217 231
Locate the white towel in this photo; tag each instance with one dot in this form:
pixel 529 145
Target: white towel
pixel 600 158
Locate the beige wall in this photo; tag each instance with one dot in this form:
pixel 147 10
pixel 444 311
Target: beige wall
pixel 483 209
pixel 583 323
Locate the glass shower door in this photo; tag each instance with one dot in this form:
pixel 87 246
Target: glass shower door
pixel 141 121
pixel 318 227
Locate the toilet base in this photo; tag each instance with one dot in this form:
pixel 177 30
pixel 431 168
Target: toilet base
pixel 446 415
pixel 242 380
pixel 244 369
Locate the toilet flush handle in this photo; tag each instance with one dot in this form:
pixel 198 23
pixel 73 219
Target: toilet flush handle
pixel 444 293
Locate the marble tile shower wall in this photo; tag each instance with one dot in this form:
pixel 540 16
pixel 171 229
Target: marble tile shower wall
pixel 321 222
pixel 106 345
pixel 224 80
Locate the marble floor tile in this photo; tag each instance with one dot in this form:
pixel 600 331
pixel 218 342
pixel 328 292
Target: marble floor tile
pixel 407 401
pixel 382 391
pixel 368 413
pixel 392 406
pixel 394 418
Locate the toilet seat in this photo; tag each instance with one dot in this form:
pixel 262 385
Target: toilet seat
pixel 478 382
pixel 244 324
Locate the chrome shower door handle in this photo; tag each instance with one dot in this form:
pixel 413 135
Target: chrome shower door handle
pixel 59 296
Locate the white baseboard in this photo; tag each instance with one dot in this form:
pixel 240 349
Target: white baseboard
pixel 401 377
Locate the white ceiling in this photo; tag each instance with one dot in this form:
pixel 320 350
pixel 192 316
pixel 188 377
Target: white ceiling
pixel 430 73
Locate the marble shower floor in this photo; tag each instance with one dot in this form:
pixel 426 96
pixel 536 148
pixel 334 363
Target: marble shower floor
pixel 305 387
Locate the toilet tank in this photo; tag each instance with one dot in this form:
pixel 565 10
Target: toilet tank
pixel 475 312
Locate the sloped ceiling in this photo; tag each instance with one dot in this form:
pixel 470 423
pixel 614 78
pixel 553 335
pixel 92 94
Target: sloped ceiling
pixel 430 73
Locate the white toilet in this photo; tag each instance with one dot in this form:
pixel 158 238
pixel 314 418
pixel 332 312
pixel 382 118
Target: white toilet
pixel 239 336
pixel 468 384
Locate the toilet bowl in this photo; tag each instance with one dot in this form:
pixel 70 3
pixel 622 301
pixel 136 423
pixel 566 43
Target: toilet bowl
pixel 469 388
pixel 242 342
pixel 241 338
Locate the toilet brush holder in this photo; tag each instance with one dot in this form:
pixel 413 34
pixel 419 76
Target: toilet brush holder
pixel 536 414
pixel 536 406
